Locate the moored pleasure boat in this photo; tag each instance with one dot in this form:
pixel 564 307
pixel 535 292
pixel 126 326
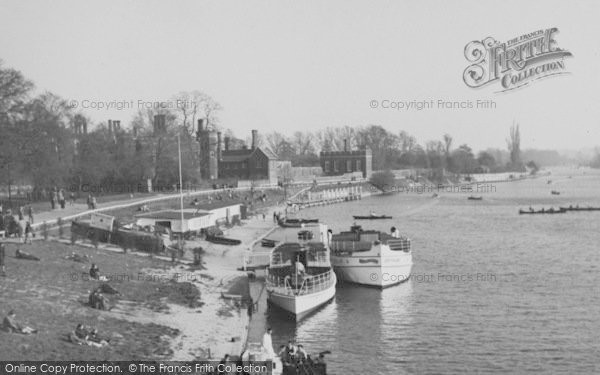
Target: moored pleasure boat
pixel 370 257
pixel 300 277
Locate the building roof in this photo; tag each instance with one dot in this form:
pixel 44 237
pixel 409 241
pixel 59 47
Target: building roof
pixel 171 215
pixel 244 154
pixel 215 205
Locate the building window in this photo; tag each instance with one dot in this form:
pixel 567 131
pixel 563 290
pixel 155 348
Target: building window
pixel 326 165
pixel 358 165
pixel 335 166
pixel 348 165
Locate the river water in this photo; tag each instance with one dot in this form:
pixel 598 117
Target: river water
pixel 491 291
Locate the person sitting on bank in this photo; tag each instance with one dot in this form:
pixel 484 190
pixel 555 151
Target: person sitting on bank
pixel 97 300
pixel 86 335
pixel 94 271
pixel 12 325
pixel 23 255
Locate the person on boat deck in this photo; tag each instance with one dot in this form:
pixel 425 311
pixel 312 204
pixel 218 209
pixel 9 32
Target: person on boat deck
pixel 267 345
pixel 301 354
pixel 300 270
pixel 290 349
pixel 395 232
pixel 283 354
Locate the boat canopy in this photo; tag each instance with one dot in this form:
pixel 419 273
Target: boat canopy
pixel 316 254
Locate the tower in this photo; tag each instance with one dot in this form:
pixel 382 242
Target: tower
pixel 209 150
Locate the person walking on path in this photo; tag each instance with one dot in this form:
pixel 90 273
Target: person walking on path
pixel 61 198
pixel 53 199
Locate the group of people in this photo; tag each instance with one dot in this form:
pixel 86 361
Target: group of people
pixel 86 335
pixel 92 204
pixel 289 354
pixel 18 224
pixel 58 197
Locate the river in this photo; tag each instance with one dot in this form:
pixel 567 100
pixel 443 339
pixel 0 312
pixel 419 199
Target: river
pixel 491 291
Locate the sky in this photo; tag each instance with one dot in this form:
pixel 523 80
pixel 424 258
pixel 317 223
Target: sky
pixel 305 65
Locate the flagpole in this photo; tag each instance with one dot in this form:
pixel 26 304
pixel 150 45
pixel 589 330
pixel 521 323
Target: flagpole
pixel 180 191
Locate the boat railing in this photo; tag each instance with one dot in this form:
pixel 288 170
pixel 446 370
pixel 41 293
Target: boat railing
pixel 350 246
pixel 308 284
pixel 399 244
pixel 320 259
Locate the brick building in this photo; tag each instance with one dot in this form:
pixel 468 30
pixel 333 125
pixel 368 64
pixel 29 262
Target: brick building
pixel 337 163
pixel 217 160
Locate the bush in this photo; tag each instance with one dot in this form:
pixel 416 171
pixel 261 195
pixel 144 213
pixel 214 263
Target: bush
pixel 383 181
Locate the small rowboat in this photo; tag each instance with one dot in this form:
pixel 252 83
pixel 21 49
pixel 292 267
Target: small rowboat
pixel 571 208
pixel 542 211
pixel 473 198
pixel 371 217
pixel 222 240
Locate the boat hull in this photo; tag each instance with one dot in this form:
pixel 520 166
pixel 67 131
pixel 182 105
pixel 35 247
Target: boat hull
pixel 373 271
pixel 300 306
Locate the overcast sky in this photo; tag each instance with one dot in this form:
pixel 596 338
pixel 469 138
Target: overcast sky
pixel 295 65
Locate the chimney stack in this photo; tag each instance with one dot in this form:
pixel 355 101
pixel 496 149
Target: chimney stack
pixel 345 145
pixel 200 129
pixel 219 145
pixel 226 143
pixel 254 138
pixel 110 127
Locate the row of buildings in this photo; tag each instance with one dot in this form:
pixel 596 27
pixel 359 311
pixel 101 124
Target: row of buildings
pixel 255 163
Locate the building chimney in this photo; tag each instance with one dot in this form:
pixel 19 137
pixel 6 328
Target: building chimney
pixel 110 128
pixel 345 145
pixel 226 143
pixel 254 138
pixel 219 145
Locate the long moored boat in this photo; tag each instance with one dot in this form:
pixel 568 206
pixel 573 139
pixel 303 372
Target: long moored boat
pixel 299 277
pixel 370 257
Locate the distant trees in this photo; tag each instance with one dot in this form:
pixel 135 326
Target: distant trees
pixel 42 144
pixel 595 163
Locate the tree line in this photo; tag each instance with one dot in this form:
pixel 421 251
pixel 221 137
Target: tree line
pixel 45 143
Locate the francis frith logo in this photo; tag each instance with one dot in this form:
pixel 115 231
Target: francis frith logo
pixel 515 63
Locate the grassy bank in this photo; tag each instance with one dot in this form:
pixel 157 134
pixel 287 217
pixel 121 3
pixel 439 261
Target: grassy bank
pixel 51 295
